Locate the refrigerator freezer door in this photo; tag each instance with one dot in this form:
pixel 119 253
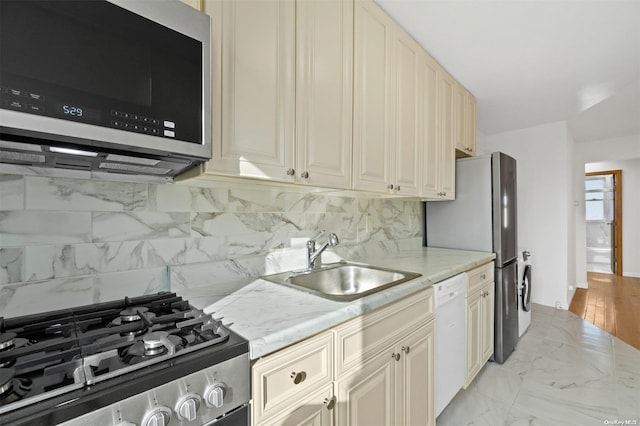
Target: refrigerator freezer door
pixel 506 311
pixel 505 226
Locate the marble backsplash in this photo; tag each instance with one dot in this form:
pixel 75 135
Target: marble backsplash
pixel 67 241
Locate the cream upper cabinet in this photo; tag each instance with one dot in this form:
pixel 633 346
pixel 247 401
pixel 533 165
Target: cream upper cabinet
pixel 430 128
pixel 459 134
pixel 386 141
pixel 407 122
pixel 286 92
pixel 372 102
pixel 324 86
pixel 479 319
pixel 464 122
pixel 258 90
pixel 470 122
pixel 447 158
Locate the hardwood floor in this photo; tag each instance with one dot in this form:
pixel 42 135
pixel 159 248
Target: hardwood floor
pixel 611 303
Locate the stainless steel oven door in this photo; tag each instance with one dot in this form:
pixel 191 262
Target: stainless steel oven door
pixel 239 417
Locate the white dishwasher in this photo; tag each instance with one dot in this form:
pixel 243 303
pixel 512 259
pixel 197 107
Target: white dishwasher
pixel 450 339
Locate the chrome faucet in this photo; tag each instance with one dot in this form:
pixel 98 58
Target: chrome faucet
pixel 313 254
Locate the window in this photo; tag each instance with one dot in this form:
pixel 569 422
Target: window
pixel 599 198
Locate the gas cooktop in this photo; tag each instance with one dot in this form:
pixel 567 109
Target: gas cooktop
pixel 77 357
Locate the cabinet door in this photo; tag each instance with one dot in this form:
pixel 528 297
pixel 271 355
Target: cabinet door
pixel 372 120
pixel 447 153
pixel 258 95
pixel 366 396
pixel 316 410
pixel 470 123
pixel 429 130
pixel 459 127
pixel 487 322
pixel 474 328
pixel 324 85
pixel 408 115
pixel 416 396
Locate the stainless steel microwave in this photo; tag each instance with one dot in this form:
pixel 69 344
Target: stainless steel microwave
pixel 117 86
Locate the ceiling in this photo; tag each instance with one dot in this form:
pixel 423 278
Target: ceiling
pixel 535 62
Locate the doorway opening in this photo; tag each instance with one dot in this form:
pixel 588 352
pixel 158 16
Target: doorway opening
pixel 603 207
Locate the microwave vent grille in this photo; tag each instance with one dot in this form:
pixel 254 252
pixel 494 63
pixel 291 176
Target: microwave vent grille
pixel 20 146
pixel 133 160
pixel 26 157
pixel 134 168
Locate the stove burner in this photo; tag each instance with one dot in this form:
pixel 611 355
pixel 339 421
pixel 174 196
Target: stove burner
pixel 7 340
pixel 154 342
pixel 151 345
pixel 6 380
pixel 11 388
pixel 132 314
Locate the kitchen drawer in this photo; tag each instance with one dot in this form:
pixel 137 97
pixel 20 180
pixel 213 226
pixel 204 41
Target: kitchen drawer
pixel 283 378
pixel 315 409
pixel 479 276
pixel 361 338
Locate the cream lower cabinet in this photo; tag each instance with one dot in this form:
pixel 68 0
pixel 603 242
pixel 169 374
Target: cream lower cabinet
pixel 285 382
pixel 381 372
pixel 394 388
pixel 479 319
pixel 314 410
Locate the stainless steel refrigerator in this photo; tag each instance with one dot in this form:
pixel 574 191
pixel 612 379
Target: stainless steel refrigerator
pixel 483 218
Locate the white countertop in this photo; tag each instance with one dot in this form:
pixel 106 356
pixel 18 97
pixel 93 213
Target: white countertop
pixel 273 316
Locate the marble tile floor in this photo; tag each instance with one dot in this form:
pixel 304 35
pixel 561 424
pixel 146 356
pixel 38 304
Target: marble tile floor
pixel 564 371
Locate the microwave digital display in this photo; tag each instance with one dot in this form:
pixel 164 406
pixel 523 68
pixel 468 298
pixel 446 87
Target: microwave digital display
pixel 98 63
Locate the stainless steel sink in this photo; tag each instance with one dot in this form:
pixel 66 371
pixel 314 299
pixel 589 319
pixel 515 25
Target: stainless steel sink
pixel 343 281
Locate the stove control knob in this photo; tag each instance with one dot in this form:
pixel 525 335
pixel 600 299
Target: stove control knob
pixel 187 407
pixel 158 416
pixel 214 395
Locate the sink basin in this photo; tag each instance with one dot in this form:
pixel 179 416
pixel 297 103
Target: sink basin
pixel 343 281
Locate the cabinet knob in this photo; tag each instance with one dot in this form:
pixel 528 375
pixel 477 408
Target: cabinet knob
pixel 304 175
pixel 330 403
pixel 395 356
pixel 390 187
pixel 406 349
pixel 291 172
pixel 483 276
pixel 398 188
pixel 298 377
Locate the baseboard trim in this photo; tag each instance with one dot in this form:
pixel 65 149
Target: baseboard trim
pixel 631 274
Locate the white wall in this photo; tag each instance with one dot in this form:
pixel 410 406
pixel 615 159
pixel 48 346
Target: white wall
pixel 545 204
pixel 630 208
pixel 599 151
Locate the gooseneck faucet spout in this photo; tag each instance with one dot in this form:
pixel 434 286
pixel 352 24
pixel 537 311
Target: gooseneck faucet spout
pixel 313 254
